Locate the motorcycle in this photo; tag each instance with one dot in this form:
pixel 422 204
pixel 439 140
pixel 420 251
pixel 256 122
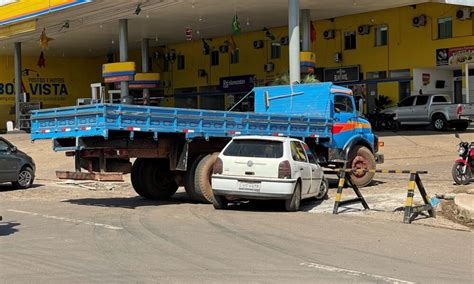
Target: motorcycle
pixel 462 168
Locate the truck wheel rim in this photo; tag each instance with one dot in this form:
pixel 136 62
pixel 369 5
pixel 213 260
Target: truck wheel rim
pixel 439 123
pixel 360 163
pixel 24 178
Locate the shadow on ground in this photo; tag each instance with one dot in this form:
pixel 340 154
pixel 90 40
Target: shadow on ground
pixel 8 228
pixel 9 187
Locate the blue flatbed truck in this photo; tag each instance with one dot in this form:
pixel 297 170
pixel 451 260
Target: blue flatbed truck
pixel 174 147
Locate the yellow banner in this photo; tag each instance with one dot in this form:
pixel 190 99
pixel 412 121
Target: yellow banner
pixel 26 9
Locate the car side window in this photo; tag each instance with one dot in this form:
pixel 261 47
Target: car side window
pixel 4 146
pixel 440 99
pixel 343 104
pixel 407 102
pixel 421 100
pixel 312 159
pixel 297 152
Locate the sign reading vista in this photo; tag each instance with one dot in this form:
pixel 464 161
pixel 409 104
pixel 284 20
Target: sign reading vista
pixel 15 11
pixel 51 88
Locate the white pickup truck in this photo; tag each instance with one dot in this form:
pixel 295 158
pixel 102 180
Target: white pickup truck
pixel 432 109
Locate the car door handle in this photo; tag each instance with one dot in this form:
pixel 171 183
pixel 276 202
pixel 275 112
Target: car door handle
pixel 313 170
pixel 301 169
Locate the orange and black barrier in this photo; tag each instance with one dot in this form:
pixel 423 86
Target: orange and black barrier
pixel 411 211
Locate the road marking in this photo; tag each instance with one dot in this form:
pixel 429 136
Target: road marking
pixel 76 221
pixel 354 273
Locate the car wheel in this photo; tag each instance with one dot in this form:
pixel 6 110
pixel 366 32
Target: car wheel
pixel 323 190
pixel 220 202
pixel 25 178
pixel 439 122
pixel 293 204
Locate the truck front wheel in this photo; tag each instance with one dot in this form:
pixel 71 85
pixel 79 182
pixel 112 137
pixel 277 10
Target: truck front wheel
pixel 362 158
pixel 202 177
pixel 157 179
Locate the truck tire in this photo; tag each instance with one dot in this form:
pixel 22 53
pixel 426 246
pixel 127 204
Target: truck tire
pixel 137 178
pixel 220 202
pixel 439 122
pixel 158 180
pixel 462 126
pixel 202 177
pixel 362 158
pixel 189 178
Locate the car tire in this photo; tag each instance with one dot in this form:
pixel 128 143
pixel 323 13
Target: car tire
pixel 202 178
pixel 189 178
pixel 220 202
pixel 439 122
pixel 158 180
pixel 293 204
pixel 137 180
pixel 362 158
pixel 462 126
pixel 25 180
pixel 323 190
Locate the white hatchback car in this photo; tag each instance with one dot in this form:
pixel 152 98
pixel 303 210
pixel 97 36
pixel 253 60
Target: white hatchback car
pixel 258 167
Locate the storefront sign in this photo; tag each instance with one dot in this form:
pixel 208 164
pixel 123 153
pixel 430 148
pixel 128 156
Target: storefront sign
pixel 21 10
pixel 342 75
pixel 455 56
pixel 46 88
pixel 243 83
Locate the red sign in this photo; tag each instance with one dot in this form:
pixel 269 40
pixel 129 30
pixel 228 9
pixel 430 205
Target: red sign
pixel 455 56
pixel 125 78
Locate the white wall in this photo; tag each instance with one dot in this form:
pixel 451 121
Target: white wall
pixel 471 89
pixel 435 75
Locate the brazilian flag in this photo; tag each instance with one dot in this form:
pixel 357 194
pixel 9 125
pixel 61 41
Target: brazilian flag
pixel 235 25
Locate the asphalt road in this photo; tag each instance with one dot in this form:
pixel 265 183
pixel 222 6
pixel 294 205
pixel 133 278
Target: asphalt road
pixel 128 239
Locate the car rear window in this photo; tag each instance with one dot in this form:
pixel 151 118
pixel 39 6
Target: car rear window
pixel 255 149
pixel 440 99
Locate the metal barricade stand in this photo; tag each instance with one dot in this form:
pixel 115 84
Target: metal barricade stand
pixel 411 211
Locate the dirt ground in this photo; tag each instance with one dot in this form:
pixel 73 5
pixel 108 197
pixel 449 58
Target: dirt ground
pixel 406 150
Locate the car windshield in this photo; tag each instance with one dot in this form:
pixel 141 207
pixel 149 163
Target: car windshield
pixel 255 149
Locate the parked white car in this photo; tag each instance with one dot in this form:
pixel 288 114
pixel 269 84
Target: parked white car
pixel 257 167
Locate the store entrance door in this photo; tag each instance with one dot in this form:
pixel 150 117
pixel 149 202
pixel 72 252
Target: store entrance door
pixel 458 92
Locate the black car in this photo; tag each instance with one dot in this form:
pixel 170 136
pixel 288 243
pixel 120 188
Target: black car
pixel 15 166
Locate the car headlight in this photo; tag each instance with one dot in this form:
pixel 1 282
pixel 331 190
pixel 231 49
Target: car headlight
pixel 461 150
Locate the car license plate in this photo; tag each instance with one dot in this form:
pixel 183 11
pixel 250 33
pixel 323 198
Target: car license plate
pixel 251 186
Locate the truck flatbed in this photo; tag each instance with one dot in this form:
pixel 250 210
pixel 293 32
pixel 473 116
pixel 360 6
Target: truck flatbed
pixel 102 119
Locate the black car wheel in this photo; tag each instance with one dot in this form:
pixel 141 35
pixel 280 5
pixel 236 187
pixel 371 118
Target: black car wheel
pixel 25 178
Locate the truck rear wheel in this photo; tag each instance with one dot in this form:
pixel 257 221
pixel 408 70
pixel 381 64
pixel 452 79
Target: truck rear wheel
pixel 202 177
pixel 158 180
pixel 439 122
pixel 137 178
pixel 189 177
pixel 362 158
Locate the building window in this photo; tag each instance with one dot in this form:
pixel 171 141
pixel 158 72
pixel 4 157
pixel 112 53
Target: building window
pixel 235 56
pixel 349 40
pixel 215 58
pixel 445 27
pixel 377 75
pixel 276 51
pixel 402 73
pixel 381 36
pixel 181 62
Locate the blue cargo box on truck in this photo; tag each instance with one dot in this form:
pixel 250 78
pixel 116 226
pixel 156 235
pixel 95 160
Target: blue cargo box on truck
pixel 104 137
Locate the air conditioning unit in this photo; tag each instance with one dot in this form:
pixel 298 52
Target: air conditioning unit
pixel 258 44
pixel 166 84
pixel 419 21
pixel 224 49
pixel 463 14
pixel 285 40
pixel 363 30
pixel 170 56
pixel 329 34
pixel 202 73
pixel 337 57
pixel 269 67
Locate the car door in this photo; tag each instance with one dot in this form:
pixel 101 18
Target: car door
pixel 316 171
pixel 9 163
pixel 405 109
pixel 300 160
pixel 420 109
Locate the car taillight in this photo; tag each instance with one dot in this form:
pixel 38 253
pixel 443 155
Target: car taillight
pixel 284 170
pixel 459 110
pixel 218 167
